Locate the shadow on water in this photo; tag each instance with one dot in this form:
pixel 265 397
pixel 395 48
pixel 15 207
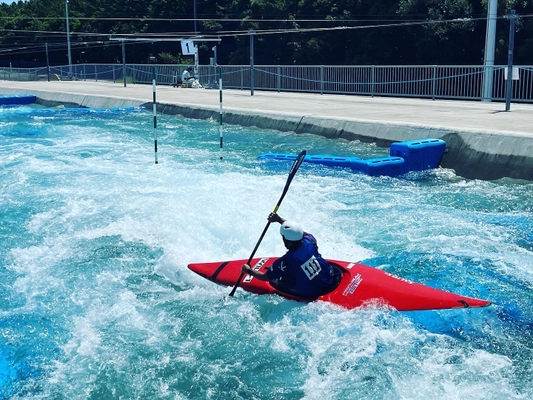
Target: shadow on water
pixel 505 327
pixel 27 345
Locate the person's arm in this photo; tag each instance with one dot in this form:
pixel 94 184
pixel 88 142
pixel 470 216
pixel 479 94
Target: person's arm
pixel 273 217
pixel 262 276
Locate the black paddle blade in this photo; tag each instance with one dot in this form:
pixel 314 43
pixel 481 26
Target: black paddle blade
pixel 295 165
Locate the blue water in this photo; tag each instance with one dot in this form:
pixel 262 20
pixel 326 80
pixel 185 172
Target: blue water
pixel 97 301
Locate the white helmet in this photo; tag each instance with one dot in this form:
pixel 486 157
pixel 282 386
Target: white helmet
pixel 291 231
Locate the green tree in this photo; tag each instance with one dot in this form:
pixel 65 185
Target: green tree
pixel 287 31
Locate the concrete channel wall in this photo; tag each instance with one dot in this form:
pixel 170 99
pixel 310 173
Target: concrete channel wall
pixel 473 153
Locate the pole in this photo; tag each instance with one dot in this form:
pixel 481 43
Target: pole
pixel 124 61
pixel 490 44
pixel 251 62
pixel 154 109
pixel 220 129
pixel 68 41
pixel 512 18
pixel 215 63
pixel 196 63
pixel 321 79
pixel 434 86
pixel 47 62
pixel 195 30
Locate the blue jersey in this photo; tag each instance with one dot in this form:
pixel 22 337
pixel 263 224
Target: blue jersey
pixel 302 272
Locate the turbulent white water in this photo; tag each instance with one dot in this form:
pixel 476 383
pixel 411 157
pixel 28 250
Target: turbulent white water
pixel 97 301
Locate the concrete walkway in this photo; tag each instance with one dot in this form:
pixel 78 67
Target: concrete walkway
pixel 483 141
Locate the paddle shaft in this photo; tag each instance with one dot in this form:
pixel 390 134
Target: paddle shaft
pixel 292 172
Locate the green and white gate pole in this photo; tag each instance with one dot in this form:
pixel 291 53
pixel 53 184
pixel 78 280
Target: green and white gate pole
pixel 220 129
pixel 154 109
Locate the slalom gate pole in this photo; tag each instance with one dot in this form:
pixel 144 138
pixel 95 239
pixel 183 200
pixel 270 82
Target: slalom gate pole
pixel 154 108
pixel 220 129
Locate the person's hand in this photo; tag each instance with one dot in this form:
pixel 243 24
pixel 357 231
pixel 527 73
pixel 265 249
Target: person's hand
pixel 246 269
pixel 273 217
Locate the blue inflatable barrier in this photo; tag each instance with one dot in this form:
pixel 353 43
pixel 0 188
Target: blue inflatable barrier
pixel 276 156
pixel 11 99
pixel 419 154
pixel 412 155
pixel 389 166
pixel 331 161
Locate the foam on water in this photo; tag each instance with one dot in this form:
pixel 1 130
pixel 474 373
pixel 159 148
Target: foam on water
pixel 97 301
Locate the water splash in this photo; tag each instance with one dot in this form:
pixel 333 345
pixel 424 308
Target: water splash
pixel 97 301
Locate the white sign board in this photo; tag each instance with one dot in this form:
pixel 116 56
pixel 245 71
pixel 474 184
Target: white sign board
pixel 187 47
pixel 516 73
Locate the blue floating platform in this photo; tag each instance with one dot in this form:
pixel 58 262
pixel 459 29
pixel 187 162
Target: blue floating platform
pixel 412 155
pixel 331 161
pixel 421 154
pixel 389 166
pixel 12 99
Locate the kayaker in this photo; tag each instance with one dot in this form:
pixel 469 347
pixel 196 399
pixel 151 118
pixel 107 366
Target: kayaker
pixel 301 271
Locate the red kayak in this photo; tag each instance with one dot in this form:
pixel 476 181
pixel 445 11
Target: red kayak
pixel 357 285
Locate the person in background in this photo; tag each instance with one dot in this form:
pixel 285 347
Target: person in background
pixel 186 76
pixel 301 271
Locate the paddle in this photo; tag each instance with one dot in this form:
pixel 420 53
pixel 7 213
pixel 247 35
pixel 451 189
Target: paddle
pixel 295 165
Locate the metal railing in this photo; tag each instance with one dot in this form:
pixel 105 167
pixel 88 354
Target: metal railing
pixel 423 81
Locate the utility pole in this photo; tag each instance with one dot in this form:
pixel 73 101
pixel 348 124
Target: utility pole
pixel 124 61
pixel 252 80
pixel 490 44
pixel 47 62
pixel 195 28
pixel 68 42
pixel 512 19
